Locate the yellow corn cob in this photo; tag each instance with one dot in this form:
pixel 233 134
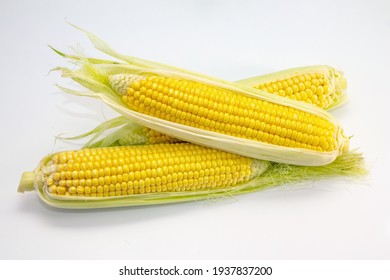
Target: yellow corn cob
pixel 281 130
pixel 127 170
pixel 163 173
pixel 131 171
pixel 319 85
pixel 322 86
pixel 326 92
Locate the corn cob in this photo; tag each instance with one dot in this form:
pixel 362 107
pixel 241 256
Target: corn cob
pixel 325 89
pixel 201 106
pixel 280 131
pixel 144 169
pixel 319 85
pixel 210 112
pixel 163 173
pixel 129 172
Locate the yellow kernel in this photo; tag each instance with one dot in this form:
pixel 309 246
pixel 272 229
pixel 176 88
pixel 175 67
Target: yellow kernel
pixel 303 95
pixel 289 91
pixel 111 193
pixel 282 92
pixel 95 173
pixel 121 186
pixel 88 174
pixel 326 89
pixel 80 190
pixel 315 82
pixel 68 175
pixel 56 176
pixel 95 182
pixel 49 181
pixel 320 90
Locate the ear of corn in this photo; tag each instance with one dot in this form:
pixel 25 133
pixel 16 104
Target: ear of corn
pixel 137 175
pixel 201 106
pixel 119 171
pixel 163 173
pixel 324 88
pixel 217 114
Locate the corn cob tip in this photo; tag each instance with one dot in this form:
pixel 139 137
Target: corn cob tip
pixel 26 182
pixel 120 82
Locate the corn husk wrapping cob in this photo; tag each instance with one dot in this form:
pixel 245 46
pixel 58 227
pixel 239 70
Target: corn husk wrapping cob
pixel 129 133
pixel 284 83
pixel 164 173
pixel 106 80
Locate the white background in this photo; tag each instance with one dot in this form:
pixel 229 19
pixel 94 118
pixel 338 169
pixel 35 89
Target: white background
pixel 230 39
